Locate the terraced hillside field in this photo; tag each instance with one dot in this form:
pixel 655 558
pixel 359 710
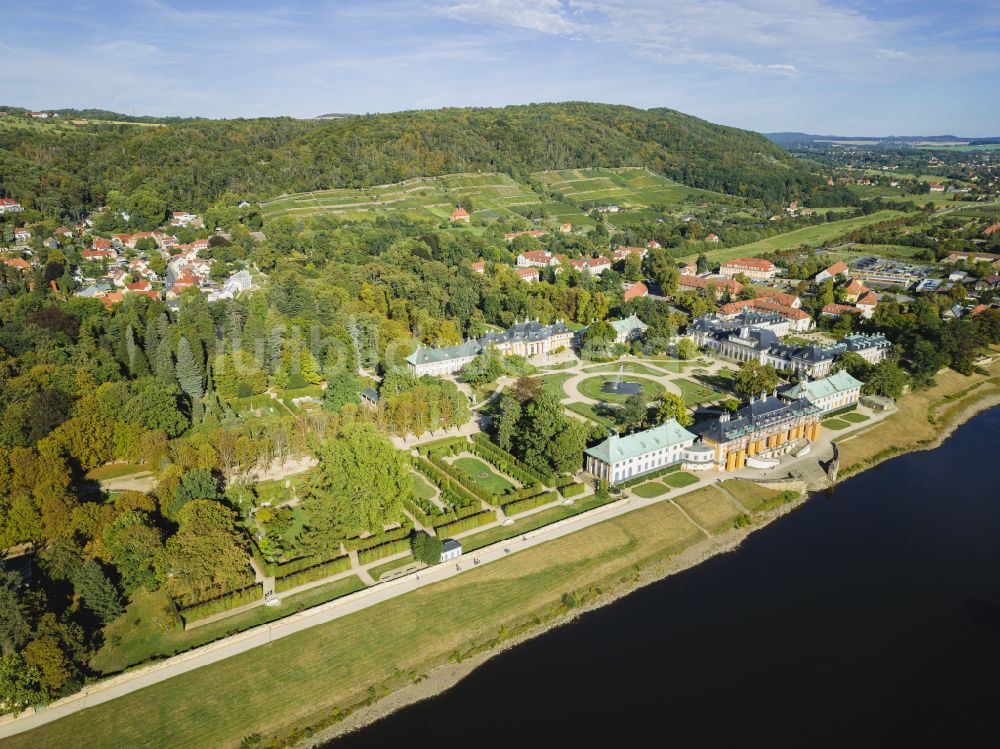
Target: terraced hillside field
pixel 427 198
pixel 639 192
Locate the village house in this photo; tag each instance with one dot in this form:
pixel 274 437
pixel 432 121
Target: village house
pixel 8 205
pixel 636 291
pixel 836 271
pixel 526 338
pixel 102 254
pixel 839 310
pixel 529 275
pixel 21 234
pixel 536 259
pixel 183 218
pixel 479 266
pixel 712 238
pixel 832 393
pixel 235 285
pixel 18 262
pixel 594 266
pixel 758 432
pixel 721 285
pixel 755 268
pixel 652 244
pixel 989 231
pixel 973 257
pixel 459 215
pixel 565 228
pixel 618 459
pixel 936 187
pixel 855 290
pixel 867 304
pixel 620 253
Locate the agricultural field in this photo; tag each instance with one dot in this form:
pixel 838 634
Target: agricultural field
pixel 421 198
pixel 812 236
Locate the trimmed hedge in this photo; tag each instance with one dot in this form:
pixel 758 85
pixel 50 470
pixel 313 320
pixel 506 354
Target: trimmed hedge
pixel 222 603
pixel 572 490
pixel 360 544
pixel 515 466
pixel 473 521
pixel 317 572
pixel 454 492
pixel 523 505
pixel 443 445
pixel 383 550
pixel 844 410
pixel 456 478
pixel 284 569
pixel 643 477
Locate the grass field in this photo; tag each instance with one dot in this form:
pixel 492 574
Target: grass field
pixel 591 388
pixel 650 489
pixel 422 488
pixel 136 637
pixel 627 367
pixel 301 679
pixel 380 570
pixel 679 480
pixel 812 236
pixel 854 417
pixel 752 496
pixel 835 424
pixel 587 410
pixel 695 393
pixel 529 523
pixel 709 507
pixel 114 471
pixel 481 474
pixel 554 384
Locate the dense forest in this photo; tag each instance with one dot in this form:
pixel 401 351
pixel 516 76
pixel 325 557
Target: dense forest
pixel 62 169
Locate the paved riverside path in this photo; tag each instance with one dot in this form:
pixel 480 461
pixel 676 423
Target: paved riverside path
pixel 118 686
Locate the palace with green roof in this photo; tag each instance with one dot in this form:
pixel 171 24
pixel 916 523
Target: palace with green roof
pixel 621 458
pixel 839 390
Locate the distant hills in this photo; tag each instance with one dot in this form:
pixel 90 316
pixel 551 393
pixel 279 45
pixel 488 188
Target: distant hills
pixel 792 139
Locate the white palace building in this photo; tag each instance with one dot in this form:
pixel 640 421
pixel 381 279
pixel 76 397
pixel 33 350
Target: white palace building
pixel 618 459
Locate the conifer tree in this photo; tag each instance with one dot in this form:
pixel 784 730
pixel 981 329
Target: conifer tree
pixel 189 377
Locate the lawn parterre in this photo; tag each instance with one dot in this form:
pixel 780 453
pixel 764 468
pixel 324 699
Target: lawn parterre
pixel 480 473
pixel 695 393
pixel 422 488
pixel 680 480
pixel 835 424
pixel 591 388
pixel 650 489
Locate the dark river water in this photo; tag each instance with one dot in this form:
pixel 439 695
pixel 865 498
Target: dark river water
pixel 870 616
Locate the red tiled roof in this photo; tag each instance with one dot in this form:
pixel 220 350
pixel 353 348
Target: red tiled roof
pixel 754 263
pixel 697 282
pixel 527 272
pixel 837 268
pixel 113 298
pixel 18 262
pixel 990 230
pixel 636 291
pixel 458 213
pixel 840 309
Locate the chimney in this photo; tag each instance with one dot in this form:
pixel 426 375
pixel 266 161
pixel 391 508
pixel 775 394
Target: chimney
pixel 763 395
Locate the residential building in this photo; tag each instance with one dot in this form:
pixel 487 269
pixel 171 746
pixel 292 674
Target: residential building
pixel 636 291
pixel 479 266
pixel 618 459
pixel 536 259
pixel 973 257
pixel 867 304
pixel 855 290
pixel 594 266
pixel 8 205
pixel 530 275
pixel 872 348
pixel 629 329
pixel 839 310
pixel 798 320
pixel 721 285
pixel 459 215
pixel 21 234
pixel 831 393
pixel 565 228
pixel 369 397
pixel 526 338
pixel 760 430
pixel 755 268
pixel 836 271
pixel 712 238
pixel 183 218
pixel 620 253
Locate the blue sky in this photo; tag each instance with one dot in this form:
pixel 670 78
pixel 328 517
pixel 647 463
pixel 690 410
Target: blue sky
pixel 820 66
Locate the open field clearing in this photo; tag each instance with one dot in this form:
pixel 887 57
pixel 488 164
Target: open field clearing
pixel 709 507
pixel 812 236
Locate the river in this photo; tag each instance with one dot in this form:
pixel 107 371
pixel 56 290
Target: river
pixel 870 615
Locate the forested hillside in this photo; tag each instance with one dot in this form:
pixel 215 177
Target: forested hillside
pixel 64 169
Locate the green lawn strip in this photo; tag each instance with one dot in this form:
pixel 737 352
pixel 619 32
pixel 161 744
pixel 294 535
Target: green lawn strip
pixel 377 572
pixel 628 367
pixel 591 388
pixel 114 471
pixel 422 488
pixel 302 679
pixel 650 489
pixel 554 384
pixel 709 507
pixel 750 495
pixel 835 424
pixel 481 474
pixel 136 637
pixel 528 523
pixel 695 393
pixel 680 480
pixel 853 417
pixel 585 409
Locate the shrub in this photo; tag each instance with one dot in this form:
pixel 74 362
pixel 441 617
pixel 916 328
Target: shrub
pixel 473 521
pixel 316 572
pixel 426 549
pixel 572 490
pixel 378 539
pixel 522 505
pixel 384 550
pixel 222 603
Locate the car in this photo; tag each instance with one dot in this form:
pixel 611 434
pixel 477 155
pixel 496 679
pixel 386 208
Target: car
pixel 508 521
pixel 272 601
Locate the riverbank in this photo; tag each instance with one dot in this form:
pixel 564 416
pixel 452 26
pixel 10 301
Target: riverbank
pixel 336 677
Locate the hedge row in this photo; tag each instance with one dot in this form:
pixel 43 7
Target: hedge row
pixel 284 569
pixel 360 544
pixel 572 490
pixel 504 461
pixel 222 603
pixel 473 521
pixel 647 476
pixel 444 445
pixel 455 477
pixel 317 572
pixel 483 441
pixel 844 410
pixel 522 505
pixel 385 550
pixel 455 493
